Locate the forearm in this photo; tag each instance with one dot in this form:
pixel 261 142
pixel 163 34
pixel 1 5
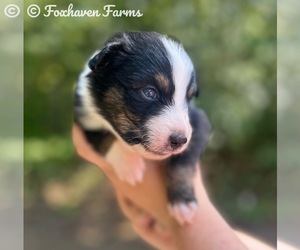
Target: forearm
pixel 208 231
pixel 207 234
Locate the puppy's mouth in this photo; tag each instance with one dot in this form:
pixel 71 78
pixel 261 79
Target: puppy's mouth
pixel 158 153
pixel 162 152
pixel 159 148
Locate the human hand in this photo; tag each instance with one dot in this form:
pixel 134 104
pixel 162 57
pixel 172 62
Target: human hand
pixel 145 206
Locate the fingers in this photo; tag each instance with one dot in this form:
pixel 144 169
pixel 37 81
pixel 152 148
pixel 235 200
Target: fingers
pixel 149 195
pixel 155 238
pixel 146 226
pixel 134 213
pixel 131 211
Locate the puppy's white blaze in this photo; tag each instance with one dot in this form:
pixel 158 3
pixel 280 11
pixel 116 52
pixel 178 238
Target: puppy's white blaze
pixel 175 118
pixel 182 68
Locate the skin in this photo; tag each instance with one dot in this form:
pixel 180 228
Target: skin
pixel 145 206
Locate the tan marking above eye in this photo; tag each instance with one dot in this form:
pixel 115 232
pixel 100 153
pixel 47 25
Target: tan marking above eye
pixel 163 82
pixel 192 90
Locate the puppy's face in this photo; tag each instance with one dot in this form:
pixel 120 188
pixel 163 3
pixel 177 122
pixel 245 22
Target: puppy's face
pixel 142 83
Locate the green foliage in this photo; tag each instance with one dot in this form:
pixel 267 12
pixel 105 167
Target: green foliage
pixel 233 46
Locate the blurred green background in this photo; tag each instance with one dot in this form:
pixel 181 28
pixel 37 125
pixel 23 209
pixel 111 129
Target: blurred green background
pixel 68 203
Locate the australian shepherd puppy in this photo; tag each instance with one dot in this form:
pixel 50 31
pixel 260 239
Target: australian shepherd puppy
pixel 138 89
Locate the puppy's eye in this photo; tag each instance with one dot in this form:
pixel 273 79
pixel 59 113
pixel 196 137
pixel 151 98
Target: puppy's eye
pixel 149 93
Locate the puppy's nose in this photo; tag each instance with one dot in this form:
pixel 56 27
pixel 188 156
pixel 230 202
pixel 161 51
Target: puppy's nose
pixel 177 140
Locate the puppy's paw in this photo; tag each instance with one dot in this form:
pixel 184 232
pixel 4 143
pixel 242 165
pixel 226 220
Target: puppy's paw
pixel 131 169
pixel 128 165
pixel 183 212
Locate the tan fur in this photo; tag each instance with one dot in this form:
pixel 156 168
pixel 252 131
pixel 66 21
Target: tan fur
pixel 192 90
pixel 163 82
pixel 124 117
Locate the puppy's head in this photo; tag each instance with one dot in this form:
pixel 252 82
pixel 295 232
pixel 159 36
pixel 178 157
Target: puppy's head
pixel 142 83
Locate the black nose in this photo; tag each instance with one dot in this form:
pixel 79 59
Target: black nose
pixel 177 140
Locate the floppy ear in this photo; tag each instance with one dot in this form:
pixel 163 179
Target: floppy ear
pixel 106 56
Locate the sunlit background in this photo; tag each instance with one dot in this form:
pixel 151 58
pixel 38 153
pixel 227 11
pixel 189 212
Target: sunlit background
pixel 68 203
pixel 288 122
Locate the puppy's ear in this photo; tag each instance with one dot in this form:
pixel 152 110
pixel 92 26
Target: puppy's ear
pixel 107 55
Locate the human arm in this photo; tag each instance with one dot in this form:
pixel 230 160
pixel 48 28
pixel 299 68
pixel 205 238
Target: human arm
pixel 145 206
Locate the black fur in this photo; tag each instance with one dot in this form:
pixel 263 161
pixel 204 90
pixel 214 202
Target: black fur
pixel 126 64
pixel 113 68
pixel 101 140
pixel 179 186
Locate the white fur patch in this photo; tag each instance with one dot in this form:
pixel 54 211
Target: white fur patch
pixel 161 127
pixel 182 69
pixel 91 118
pixel 174 118
pixel 183 212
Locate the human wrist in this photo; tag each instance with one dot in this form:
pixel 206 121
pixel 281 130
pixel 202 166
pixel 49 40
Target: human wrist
pixel 208 230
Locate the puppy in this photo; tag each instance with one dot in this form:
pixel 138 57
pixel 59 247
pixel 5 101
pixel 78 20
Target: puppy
pixel 138 90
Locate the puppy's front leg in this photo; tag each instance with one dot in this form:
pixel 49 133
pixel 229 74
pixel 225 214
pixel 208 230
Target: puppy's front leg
pixel 128 165
pixel 180 191
pixel 180 170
